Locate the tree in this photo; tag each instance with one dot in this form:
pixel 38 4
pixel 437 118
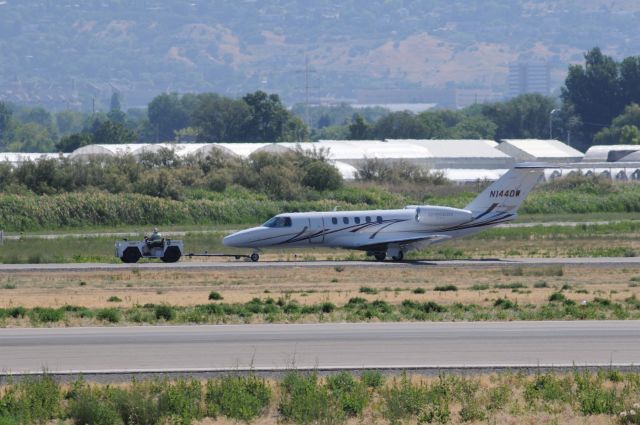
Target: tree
pixel 31 137
pixel 359 129
pixel 73 142
pixel 115 113
pixel 267 118
pixel 399 125
pixel 595 91
pixel 220 119
pixel 5 118
pixel 623 129
pixel 474 127
pixel 523 117
pixel 630 79
pixel 167 115
pixel 109 132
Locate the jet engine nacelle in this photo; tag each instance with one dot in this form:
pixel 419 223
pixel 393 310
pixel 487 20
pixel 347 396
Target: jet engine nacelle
pixel 441 216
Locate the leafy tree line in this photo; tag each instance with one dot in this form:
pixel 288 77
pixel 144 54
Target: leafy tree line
pixel 256 117
pixel 598 104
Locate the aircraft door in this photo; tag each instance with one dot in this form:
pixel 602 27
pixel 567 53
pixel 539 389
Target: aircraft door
pixel 316 229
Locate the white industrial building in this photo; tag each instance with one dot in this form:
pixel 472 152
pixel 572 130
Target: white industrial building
pixel 17 158
pixel 460 160
pixel 548 151
pixel 610 153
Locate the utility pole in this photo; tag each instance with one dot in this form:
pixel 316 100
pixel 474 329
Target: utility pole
pixel 553 111
pixel 306 71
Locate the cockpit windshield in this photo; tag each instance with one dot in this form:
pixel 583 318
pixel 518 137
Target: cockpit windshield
pixel 278 222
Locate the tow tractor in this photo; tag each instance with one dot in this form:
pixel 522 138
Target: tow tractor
pixel 167 250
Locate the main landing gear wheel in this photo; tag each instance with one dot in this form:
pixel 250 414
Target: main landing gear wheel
pixel 398 257
pixel 254 257
pixel 380 256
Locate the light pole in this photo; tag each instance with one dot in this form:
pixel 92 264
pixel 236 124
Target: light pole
pixel 553 111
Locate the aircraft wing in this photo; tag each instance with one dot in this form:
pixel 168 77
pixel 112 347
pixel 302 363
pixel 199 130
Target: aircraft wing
pixel 381 245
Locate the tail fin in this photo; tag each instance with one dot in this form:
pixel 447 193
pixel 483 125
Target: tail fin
pixel 506 194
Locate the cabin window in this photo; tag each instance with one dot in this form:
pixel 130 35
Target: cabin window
pixel 345 220
pixel 334 220
pixel 379 219
pixel 278 222
pixel 368 219
pixel 357 220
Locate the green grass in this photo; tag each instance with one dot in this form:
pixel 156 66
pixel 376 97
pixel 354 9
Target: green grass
pixel 558 307
pixel 305 398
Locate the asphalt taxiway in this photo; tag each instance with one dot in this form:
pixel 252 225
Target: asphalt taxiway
pixel 478 345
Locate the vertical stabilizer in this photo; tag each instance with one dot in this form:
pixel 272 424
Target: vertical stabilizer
pixel 506 194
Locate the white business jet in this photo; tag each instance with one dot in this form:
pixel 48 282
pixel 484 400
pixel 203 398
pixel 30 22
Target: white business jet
pixel 392 233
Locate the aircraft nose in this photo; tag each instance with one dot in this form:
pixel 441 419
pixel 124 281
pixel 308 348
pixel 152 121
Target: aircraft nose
pixel 239 239
pixel 230 240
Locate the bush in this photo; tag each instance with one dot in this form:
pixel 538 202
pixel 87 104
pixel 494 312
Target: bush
pixel 368 290
pixel 165 312
pixel 419 291
pixel 111 315
pixel 504 304
pixel 137 405
pixel 327 307
pixel 215 296
pixel 372 379
pixel 114 299
pixel 446 288
pixel 88 408
pixel 181 399
pixel 45 314
pixel 16 312
pixel 304 401
pixel 402 400
pixel 350 395
pixel 238 397
pixel 320 175
pixel 557 297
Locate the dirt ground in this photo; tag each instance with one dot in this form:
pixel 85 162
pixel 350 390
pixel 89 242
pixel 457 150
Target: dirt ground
pixel 313 285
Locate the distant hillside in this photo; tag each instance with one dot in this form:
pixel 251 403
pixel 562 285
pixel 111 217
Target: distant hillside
pixel 64 53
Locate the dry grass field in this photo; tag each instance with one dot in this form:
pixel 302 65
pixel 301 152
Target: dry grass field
pixel 526 285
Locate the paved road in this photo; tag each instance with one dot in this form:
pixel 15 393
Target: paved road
pixel 402 345
pixel 239 264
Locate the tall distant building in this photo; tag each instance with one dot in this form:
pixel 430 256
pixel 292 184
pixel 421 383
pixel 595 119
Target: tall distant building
pixel 529 77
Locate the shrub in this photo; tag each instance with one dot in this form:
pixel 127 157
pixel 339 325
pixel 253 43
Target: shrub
pixel 111 315
pixel 87 408
pixel 445 288
pixel 557 297
pixel 304 401
pixel 114 299
pixel 479 287
pixel 504 304
pixel 419 291
pixel 17 311
pixel 182 400
pixel 372 379
pixel 45 314
pixel 327 307
pixel 350 395
pixel 368 290
pixel 164 312
pixel 238 397
pixel 137 405
pixel 215 296
pixel 593 399
pixel 548 387
pixel 402 400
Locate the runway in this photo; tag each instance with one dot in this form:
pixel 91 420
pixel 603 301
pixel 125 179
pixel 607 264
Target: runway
pixel 239 264
pixel 476 345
